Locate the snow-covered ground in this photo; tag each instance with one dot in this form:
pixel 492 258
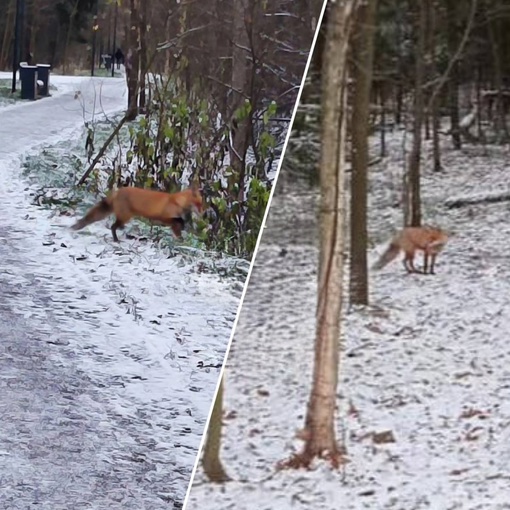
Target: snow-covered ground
pixel 109 354
pixel 428 361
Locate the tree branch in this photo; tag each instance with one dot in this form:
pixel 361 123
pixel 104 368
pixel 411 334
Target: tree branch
pixel 456 56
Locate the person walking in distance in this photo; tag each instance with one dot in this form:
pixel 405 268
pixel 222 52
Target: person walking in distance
pixel 119 57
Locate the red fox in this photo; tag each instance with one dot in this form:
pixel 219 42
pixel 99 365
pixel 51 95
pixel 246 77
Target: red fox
pixel 430 240
pixel 161 207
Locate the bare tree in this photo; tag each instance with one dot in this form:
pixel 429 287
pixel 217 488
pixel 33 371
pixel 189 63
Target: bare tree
pixel 495 38
pixel 132 61
pixel 9 15
pixel 434 105
pixel 142 37
pixel 241 90
pixel 70 30
pixel 412 192
pixel 319 431
pixel 363 51
pixel 454 81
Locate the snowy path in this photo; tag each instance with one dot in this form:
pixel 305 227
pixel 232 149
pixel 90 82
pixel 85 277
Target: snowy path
pixel 108 353
pixel 428 362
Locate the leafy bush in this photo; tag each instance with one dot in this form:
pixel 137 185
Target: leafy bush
pixel 181 138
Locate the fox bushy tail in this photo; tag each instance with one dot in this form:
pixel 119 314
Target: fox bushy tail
pixel 100 211
pixel 391 253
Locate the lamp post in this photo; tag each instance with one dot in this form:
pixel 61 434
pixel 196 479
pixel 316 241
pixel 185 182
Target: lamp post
pixel 18 35
pixel 108 46
pixel 95 28
pixel 114 36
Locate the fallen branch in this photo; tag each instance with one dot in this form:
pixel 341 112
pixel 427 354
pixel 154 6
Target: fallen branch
pixel 487 199
pixel 372 162
pixel 105 146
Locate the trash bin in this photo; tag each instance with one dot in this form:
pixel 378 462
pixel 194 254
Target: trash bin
pixel 43 74
pixel 28 78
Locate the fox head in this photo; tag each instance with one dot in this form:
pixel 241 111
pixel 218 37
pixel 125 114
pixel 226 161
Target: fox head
pixel 438 243
pixel 196 198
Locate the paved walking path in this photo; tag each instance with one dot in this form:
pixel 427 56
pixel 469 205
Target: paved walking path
pixel 102 395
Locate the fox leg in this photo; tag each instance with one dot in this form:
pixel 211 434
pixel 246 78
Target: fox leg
pixel 115 226
pixel 432 262
pixel 425 262
pixel 176 224
pixel 409 263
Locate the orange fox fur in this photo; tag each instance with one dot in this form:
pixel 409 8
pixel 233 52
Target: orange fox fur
pixel 430 240
pixel 158 206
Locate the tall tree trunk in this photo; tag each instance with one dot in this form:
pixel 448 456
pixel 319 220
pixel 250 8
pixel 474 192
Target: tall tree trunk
pixel 320 44
pixel 319 432
pixel 500 126
pixel 433 71
pixel 8 34
pixel 453 83
pixel 384 86
pixel 241 87
pixel 363 52
pixel 132 61
pixel 213 468
pixel 413 182
pixel 142 29
pixel 70 30
pixel 223 49
pixel 479 81
pixel 34 29
pixel 399 100
pixel 436 126
pixel 54 45
pixel 399 86
pixel 430 65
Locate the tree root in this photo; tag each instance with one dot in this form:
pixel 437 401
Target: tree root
pixel 303 460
